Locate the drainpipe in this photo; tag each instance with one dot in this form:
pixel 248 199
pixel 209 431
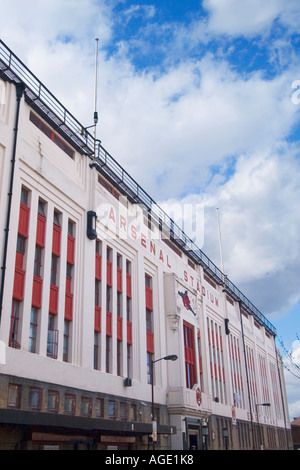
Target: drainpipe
pixel 19 93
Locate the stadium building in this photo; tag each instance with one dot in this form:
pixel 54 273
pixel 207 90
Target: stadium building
pixel 117 331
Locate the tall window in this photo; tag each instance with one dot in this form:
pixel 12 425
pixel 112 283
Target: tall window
pixel 66 340
pixel 216 358
pixel 14 327
pixel 33 330
pixel 98 303
pixel 52 338
pixel 236 371
pixel 19 277
pixel 149 325
pixel 69 290
pixel 190 356
pixel 129 318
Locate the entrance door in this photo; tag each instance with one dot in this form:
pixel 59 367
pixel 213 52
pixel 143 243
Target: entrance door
pixel 193 441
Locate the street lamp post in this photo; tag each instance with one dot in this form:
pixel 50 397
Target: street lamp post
pixel 259 429
pixel 171 357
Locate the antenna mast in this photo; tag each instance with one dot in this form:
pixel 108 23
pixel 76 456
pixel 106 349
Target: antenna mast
pixel 95 95
pixel 220 244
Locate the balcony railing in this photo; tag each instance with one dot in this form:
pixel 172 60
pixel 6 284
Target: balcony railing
pixel 40 98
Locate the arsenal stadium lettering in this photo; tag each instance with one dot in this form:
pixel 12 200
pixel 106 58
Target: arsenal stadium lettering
pixel 195 284
pixel 128 224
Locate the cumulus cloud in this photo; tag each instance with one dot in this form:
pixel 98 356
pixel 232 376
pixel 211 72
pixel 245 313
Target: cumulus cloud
pixel 196 129
pixel 250 17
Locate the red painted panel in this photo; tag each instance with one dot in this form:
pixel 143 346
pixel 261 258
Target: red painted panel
pixel 71 249
pixel 37 292
pixel 150 342
pixel 119 328
pixel 69 306
pixel 129 332
pixel 97 318
pixel 19 260
pixel 149 303
pixel 56 240
pixel 98 267
pixel 119 279
pixel 128 285
pixel 53 302
pixel 40 230
pixel 23 220
pixel 18 292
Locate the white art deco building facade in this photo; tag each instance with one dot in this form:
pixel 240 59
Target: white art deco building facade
pixel 98 287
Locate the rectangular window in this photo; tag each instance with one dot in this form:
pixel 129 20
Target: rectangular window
pixel 14 396
pixel 37 261
pixel 124 411
pixel 149 368
pixel 35 398
pixel 66 341
pixel 86 406
pixel 99 408
pixel 54 265
pixel 112 409
pixel 33 330
pixel 96 350
pixel 69 404
pixel 52 337
pixel 15 317
pixel 53 401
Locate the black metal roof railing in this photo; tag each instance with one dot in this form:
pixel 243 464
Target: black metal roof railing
pixel 38 96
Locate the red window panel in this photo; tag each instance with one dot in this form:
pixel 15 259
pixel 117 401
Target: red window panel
pixel 98 267
pixel 40 230
pixel 18 292
pixel 56 240
pixel 71 249
pixel 53 302
pixel 37 292
pixel 119 279
pixel 189 351
pixel 23 220
pixel 129 332
pixel 68 306
pixel 68 285
pixel 19 260
pixel 97 318
pixel 149 303
pixel 108 323
pixel 128 285
pixel 150 342
pixel 109 273
pixel 119 328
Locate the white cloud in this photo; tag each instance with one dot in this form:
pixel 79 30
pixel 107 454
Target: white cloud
pixel 250 17
pixel 179 130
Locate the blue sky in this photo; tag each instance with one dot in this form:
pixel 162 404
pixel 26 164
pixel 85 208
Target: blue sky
pixel 200 102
